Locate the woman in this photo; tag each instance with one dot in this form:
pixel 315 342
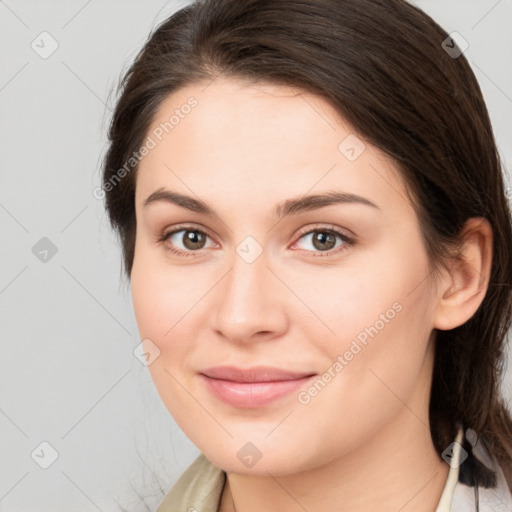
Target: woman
pixel 313 220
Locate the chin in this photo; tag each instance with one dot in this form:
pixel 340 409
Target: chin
pixel 275 464
pixel 260 458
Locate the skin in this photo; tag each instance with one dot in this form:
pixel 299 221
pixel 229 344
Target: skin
pixel 363 442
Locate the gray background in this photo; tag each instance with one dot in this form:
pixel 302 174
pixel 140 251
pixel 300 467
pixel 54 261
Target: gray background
pixel 68 375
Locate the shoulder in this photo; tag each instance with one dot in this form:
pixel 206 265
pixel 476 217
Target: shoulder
pixel 198 489
pixel 481 483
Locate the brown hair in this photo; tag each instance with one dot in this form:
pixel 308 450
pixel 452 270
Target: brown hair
pixel 383 66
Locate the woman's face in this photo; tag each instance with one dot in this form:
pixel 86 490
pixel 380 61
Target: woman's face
pixel 295 320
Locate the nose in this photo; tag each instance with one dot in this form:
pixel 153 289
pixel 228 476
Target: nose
pixel 250 302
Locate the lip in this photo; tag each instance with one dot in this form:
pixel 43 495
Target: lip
pixel 252 387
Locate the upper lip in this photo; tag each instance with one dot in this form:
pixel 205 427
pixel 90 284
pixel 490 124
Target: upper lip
pixel 253 374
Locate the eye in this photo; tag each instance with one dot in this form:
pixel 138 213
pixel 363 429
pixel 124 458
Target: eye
pixel 191 240
pixel 325 240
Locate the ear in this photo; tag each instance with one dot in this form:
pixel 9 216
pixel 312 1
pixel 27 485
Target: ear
pixel 463 287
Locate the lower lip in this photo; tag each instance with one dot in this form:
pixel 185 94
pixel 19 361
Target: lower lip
pixel 252 394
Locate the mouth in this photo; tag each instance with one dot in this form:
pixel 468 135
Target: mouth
pixel 252 387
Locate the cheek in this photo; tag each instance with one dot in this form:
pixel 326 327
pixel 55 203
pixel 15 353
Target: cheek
pixel 166 303
pixel 376 364
pixel 147 304
pixel 159 304
pixel 386 341
pixel 378 294
pixel 382 321
pixel 160 295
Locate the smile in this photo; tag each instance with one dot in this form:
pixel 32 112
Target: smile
pixel 253 387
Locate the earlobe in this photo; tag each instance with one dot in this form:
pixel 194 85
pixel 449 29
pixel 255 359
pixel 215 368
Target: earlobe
pixel 465 284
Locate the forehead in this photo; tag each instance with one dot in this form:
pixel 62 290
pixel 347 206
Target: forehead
pixel 249 112
pixel 260 140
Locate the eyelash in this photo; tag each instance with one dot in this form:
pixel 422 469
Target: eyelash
pixel 347 241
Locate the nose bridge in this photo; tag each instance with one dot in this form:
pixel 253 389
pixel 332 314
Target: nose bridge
pixel 248 274
pixel 246 301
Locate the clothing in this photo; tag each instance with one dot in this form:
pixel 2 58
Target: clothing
pixel 469 485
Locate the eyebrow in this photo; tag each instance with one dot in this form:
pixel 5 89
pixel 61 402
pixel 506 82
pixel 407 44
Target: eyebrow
pixel 289 207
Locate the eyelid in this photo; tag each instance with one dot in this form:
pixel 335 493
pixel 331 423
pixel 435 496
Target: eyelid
pixel 166 234
pixel 327 227
pixel 348 239
pixel 185 227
